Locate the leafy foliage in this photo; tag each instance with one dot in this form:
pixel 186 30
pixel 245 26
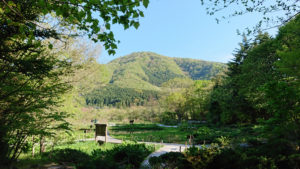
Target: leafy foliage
pixel 31 83
pixel 169 160
pixel 225 157
pixel 124 156
pixel 190 103
pixel 265 89
pixel 127 155
pixel 83 15
pixel 33 75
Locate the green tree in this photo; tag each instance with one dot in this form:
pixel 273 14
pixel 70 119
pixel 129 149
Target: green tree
pixel 27 19
pixel 30 86
pixel 175 103
pixel 32 77
pixel 268 82
pixel 282 95
pixel 197 98
pixel 227 94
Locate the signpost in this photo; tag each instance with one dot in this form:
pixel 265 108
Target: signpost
pixel 101 130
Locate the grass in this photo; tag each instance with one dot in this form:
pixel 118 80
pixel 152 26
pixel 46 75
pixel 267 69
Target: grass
pixel 149 133
pixel 27 161
pixel 203 133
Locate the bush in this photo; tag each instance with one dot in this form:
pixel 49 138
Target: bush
pixel 205 134
pixel 201 157
pixel 169 118
pixel 70 156
pixel 169 161
pixel 136 127
pixel 122 156
pixel 186 126
pixel 129 155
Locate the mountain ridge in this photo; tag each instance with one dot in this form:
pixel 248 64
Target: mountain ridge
pixel 151 69
pixel 142 76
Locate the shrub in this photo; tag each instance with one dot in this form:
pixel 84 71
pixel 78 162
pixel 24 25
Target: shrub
pixel 129 155
pixel 204 134
pixel 136 127
pixel 186 127
pixel 169 118
pixel 121 156
pixel 70 156
pixel 169 161
pixel 201 157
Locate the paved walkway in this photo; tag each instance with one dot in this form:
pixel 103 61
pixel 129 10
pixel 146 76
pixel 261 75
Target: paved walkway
pixel 167 147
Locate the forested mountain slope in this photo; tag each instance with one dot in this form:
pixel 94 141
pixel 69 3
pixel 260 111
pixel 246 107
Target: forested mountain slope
pixel 147 70
pixel 199 69
pixel 144 70
pixel 143 75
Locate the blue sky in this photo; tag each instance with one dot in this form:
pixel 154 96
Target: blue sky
pixel 178 28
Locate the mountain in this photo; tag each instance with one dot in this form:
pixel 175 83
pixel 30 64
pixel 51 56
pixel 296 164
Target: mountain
pixel 199 69
pixel 147 70
pixel 143 75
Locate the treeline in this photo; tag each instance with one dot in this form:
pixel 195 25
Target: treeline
pixel 262 82
pixel 261 89
pixel 261 85
pixel 120 97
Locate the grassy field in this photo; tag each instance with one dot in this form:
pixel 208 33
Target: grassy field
pixel 149 133
pixel 27 161
pixel 202 133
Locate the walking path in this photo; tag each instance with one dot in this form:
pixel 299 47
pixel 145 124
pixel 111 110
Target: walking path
pixel 167 147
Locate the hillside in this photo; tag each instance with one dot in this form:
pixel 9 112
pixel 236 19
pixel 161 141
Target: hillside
pixel 143 75
pixel 199 69
pixel 147 70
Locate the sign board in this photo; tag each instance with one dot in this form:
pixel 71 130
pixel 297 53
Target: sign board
pixel 101 130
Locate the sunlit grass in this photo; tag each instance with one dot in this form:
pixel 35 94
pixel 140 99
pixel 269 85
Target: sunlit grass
pixel 149 133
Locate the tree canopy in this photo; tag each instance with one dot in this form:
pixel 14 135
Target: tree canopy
pixel 33 76
pixel 28 19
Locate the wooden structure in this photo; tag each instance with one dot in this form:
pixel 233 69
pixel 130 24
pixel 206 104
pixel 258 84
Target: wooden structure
pixel 131 121
pixel 101 130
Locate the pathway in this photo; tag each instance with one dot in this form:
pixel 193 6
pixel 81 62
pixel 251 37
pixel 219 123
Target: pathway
pixel 167 147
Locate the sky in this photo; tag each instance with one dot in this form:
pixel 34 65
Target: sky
pixel 181 28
